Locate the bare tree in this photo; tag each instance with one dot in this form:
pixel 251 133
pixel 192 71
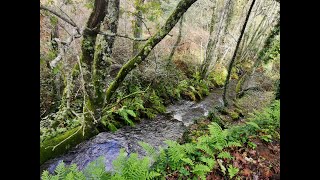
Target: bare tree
pixel 235 53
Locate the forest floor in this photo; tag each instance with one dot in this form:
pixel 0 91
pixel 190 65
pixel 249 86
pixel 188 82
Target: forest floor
pixel 261 162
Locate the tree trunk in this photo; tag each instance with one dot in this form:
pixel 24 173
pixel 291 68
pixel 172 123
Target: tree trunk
pixel 73 136
pixel 137 26
pixel 176 44
pixel 181 8
pixel 214 37
pixel 102 56
pixel 262 56
pixel 235 53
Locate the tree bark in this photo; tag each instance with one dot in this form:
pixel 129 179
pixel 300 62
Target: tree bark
pixel 214 37
pixel 137 26
pixel 181 8
pixel 102 56
pixel 177 42
pixel 235 53
pixel 262 56
pixel 75 136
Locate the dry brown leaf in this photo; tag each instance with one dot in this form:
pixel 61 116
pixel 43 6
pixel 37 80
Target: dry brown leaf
pixel 246 172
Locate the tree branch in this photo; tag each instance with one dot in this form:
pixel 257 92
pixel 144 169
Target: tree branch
pixel 63 47
pixel 123 36
pixel 66 19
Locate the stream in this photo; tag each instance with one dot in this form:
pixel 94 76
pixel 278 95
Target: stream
pixel 170 125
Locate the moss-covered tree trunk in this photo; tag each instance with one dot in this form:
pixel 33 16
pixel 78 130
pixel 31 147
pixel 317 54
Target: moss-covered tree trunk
pixel 225 101
pixel 102 55
pixel 75 136
pixel 181 8
pixel 137 26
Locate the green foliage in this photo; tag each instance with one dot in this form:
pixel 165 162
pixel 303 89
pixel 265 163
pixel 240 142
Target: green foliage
pixel 96 169
pixel 232 171
pixel 225 155
pixel 218 76
pixel 252 145
pixel 132 167
pixel 64 173
pixel 263 124
pixel 190 160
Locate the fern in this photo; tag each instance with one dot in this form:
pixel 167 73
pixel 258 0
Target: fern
pixel 45 175
pixel 201 170
pixel 65 173
pixel 225 155
pixel 233 144
pixel 151 151
pixel 253 124
pixel 205 148
pixel 60 170
pixel 210 161
pixel 188 161
pixel 232 171
pixel 95 169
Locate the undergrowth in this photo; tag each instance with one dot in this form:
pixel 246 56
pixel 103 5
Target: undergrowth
pixel 136 99
pixel 191 160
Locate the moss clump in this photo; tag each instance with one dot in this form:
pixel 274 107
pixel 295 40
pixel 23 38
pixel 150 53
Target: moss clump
pixel 234 115
pixel 218 76
pixel 46 147
pixel 239 111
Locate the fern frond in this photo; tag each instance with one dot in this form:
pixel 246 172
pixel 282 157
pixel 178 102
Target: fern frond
pixel 205 148
pixel 119 162
pixel 152 175
pixel 232 171
pixel 45 175
pixel 210 161
pixel 201 170
pixel 60 170
pixel 233 144
pixel 188 161
pixel 151 151
pixel 225 155
pixel 189 148
pixel 253 124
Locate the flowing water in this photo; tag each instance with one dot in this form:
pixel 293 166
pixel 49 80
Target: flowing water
pixel 170 125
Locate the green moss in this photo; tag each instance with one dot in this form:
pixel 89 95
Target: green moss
pixel 46 147
pixel 234 115
pixel 218 76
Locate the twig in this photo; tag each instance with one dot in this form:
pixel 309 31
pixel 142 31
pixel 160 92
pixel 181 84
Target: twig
pixel 63 48
pixel 123 36
pixel 66 19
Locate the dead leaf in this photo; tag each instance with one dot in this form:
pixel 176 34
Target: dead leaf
pixel 246 172
pixel 239 157
pixel 267 173
pixel 252 152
